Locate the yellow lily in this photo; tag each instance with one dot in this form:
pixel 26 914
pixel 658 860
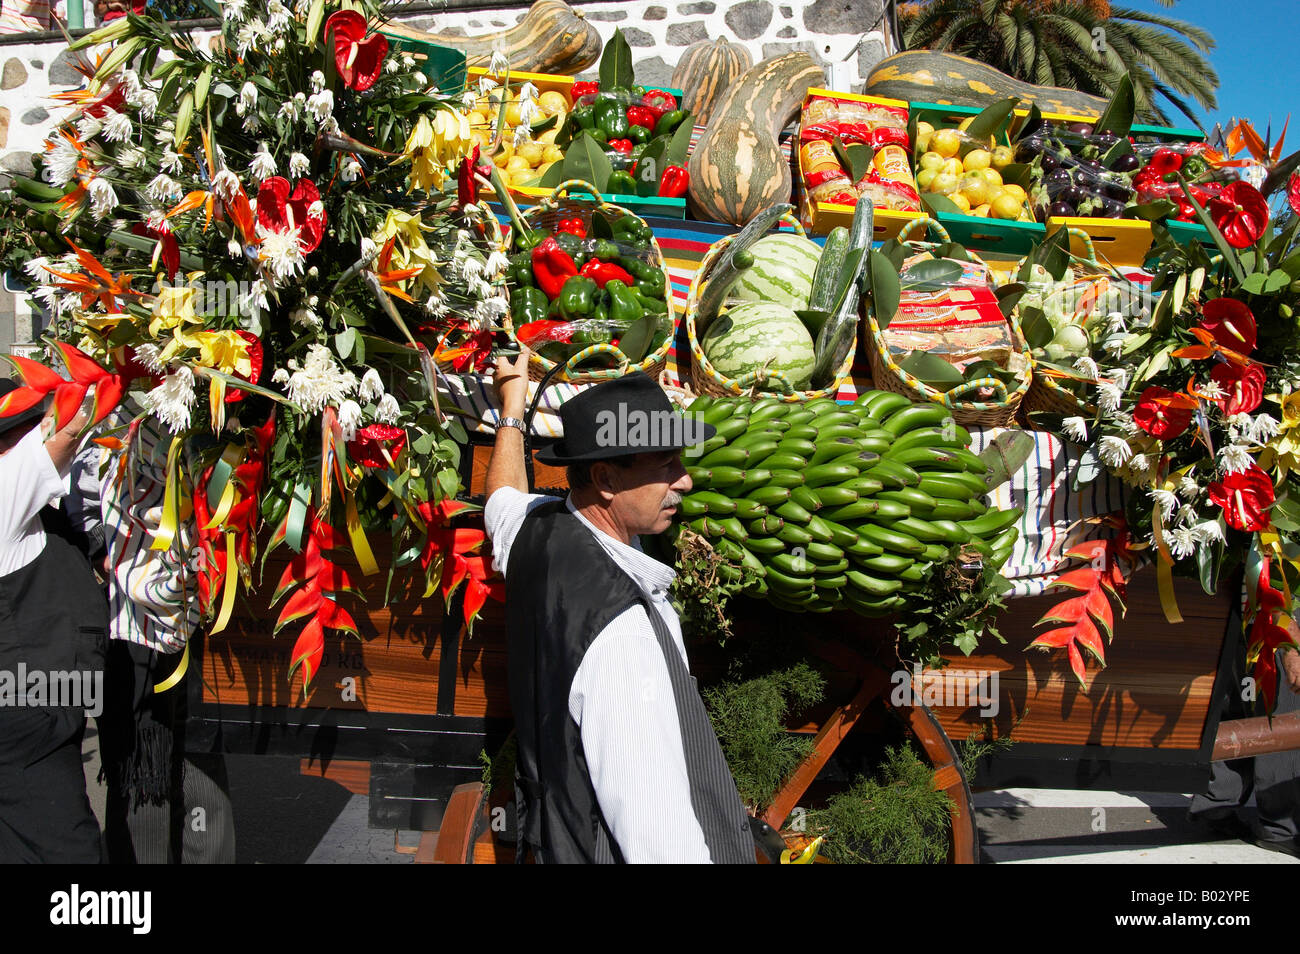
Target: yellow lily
pixel 409 249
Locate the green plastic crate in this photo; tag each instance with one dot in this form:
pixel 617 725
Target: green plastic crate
pixel 444 67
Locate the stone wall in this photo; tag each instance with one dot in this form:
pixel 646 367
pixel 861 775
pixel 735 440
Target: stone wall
pixel 843 35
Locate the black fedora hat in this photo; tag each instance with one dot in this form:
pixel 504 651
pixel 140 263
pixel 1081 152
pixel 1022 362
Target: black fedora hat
pixel 629 415
pixel 23 418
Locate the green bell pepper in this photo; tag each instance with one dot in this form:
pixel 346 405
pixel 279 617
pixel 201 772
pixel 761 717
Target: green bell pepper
pixel 623 303
pixel 519 274
pixel 630 230
pixel 574 246
pixel 620 183
pixel 603 249
pixel 577 298
pixel 584 117
pixel 611 118
pixel 639 136
pixel 528 304
pixel 669 121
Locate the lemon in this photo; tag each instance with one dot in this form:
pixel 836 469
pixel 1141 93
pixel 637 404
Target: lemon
pixel 977 159
pixel 991 176
pixel 980 210
pixel 944 184
pixel 953 167
pixel 974 190
pixel 552 102
pixel 924 178
pixel 946 142
pixel 960 200
pixel 1002 157
pixel 931 160
pixel 512 113
pixel 552 153
pixel 530 152
pixel 518 163
pixel 1015 190
pixel 1007 206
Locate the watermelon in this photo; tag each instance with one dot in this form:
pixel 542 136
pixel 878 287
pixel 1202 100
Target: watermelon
pixel 760 334
pixel 784 265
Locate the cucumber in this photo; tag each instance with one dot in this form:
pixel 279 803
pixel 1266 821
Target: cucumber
pixel 826 279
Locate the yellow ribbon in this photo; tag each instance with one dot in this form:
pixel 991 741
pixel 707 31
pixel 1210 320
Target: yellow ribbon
pixel 223 508
pixel 170 520
pixel 805 857
pixel 177 675
pixel 228 590
pixel 1164 570
pixel 360 545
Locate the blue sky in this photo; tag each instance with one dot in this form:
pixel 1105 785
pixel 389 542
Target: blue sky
pixel 1256 57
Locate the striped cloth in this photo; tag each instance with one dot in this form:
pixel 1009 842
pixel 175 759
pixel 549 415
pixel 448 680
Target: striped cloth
pixel 25 16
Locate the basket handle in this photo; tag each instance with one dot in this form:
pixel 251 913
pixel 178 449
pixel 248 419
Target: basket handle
pixel 552 201
pixel 571 366
pixel 755 379
pixel 925 223
pixel 963 389
pixel 1090 258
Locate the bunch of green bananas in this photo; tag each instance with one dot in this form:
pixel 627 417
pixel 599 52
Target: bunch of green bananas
pixel 840 506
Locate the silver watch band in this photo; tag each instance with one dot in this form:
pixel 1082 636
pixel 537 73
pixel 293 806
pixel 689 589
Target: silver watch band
pixel 512 422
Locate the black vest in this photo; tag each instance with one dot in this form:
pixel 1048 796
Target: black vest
pixel 562 589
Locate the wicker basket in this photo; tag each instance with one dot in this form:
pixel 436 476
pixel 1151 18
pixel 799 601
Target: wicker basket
pixel 1044 393
pixel 546 215
pixel 707 380
pixel 888 376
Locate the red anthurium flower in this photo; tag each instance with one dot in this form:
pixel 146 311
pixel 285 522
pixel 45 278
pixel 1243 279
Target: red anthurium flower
pixel 360 58
pixel 255 359
pixel 1231 324
pixel 168 249
pixel 1240 213
pixel 371 443
pixel 1243 387
pixel 1163 413
pixel 1293 192
pixel 1245 498
pixel 279 210
pixel 471 357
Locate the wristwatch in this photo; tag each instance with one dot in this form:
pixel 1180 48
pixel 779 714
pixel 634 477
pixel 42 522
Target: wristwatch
pixel 512 422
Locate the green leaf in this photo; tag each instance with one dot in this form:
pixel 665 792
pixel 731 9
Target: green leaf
pixel 1122 147
pixel 1006 455
pixel 650 167
pixel 1229 253
pixel 1086 470
pixel 1054 254
pixel 936 203
pixel 855 158
pixel 885 290
pixel 586 160
pixel 1152 211
pixel 931 274
pixel 1277 280
pixel 616 70
pixel 991 120
pixel 675 155
pixel 932 370
pixel 813 319
pixel 1254 283
pixel 552 177
pixel 636 340
pixel 1117 117
pixel 1036 327
pixel 344 341
pixel 1009 296
pixel 1018 173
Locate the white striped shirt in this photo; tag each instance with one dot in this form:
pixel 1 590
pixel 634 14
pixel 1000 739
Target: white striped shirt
pixel 622 700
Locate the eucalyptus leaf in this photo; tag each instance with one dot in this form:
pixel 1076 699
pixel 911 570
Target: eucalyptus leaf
pixel 1006 455
pixel 1009 296
pixel 930 274
pixel 932 370
pixel 1054 254
pixel 992 120
pixel 635 342
pixel 1036 327
pixel 1087 469
pixel 616 71
pixel 675 154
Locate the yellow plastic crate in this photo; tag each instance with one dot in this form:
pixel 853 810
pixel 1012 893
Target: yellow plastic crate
pixel 1117 241
pixel 545 82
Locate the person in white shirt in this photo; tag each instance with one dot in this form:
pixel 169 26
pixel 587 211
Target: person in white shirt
pixel 616 758
pixel 53 621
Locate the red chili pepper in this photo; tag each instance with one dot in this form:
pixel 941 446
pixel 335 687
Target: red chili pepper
pixel 658 102
pixel 621 145
pixel 585 89
pixel 552 266
pixel 674 182
pixel 642 116
pixel 573 226
pixel 602 272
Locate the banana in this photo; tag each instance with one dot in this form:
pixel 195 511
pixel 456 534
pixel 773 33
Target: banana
pixel 819 529
pixel 834 582
pixel 798 446
pixel 873 608
pixel 724 477
pixel 36 190
pixel 892 540
pixel 893 474
pixel 883 404
pixel 785 478
pixel 952 532
pixel 700 404
pixel 861 549
pixel 921 529
pixel 805 432
pixel 791 565
pixel 929 437
pixel 765 546
pixel 890 563
pixel 700 476
pixel 834 496
pixel 935 553
pixel 875 444
pixel 717 504
pixel 916 573
pixel 759 452
pixel 706 527
pixel 766 525
pixel 731 428
pixel 954 486
pixel 768 409
pixel 692 507
pixel 729 551
pixel 725 411
pixel 786 583
pixel 841 536
pixel 729 456
pixel 769 496
pixel 824 553
pixel 794 535
pixel 836 447
pixel 761 435
pixel 918 501
pixel 747 509
pixel 860 509
pixel 825 434
pixel 829 474
pixel 754 479
pixel 928 458
pixel 973 463
pixel 751 562
pixel 945 509
pixel 790 511
pixel 785 462
pixel 918 415
pixel 806 498
pixel 861 486
pixel 872 586
pixel 991 523
pixel 696 452
pixel 1006 538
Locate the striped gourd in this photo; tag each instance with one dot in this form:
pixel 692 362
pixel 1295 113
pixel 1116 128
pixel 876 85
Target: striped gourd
pixel 782 272
pixel 737 169
pixel 705 71
pixel 551 38
pixel 760 335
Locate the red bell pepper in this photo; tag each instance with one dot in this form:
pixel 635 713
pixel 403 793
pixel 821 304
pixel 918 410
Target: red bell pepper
pixel 642 116
pixel 602 272
pixel 552 266
pixel 658 102
pixel 584 89
pixel 674 182
pixel 621 145
pixel 573 226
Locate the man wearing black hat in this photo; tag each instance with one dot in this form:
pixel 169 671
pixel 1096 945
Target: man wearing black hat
pixel 617 759
pixel 53 620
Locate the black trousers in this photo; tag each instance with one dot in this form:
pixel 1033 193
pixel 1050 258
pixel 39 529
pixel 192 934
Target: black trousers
pixel 45 816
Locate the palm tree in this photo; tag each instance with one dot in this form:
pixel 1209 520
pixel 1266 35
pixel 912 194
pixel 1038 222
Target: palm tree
pixel 1079 44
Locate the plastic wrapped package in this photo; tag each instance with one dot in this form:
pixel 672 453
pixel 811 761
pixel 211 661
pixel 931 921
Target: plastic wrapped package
pixel 1071 178
pixel 968 172
pixel 888 181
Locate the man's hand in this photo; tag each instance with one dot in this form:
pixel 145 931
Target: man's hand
pixel 506 469
pixel 62 444
pixel 510 381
